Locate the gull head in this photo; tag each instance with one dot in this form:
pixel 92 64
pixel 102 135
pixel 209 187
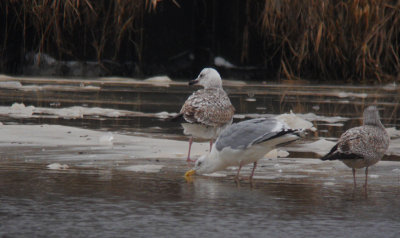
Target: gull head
pixel 371 116
pixel 201 166
pixel 208 78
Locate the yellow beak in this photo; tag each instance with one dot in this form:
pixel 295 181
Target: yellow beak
pixel 190 173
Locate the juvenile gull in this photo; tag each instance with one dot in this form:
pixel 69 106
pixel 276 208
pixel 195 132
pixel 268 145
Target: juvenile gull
pixel 207 111
pixel 243 143
pixel 362 146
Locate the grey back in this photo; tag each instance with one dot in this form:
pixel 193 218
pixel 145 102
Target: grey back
pixel 246 133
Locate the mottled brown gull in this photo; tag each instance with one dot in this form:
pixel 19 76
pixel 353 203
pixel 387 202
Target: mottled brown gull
pixel 243 143
pixel 207 111
pixel 362 146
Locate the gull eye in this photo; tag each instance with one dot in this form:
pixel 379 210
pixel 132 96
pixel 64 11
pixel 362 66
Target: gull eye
pixel 199 163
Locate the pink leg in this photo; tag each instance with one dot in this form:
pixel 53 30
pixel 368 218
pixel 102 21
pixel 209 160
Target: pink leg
pixel 366 182
pixel 238 172
pixel 366 177
pixel 190 147
pixel 211 144
pixel 252 172
pixel 354 176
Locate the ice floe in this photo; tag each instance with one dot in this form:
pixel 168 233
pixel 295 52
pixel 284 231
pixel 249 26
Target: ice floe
pixel 321 147
pixel 250 99
pixel 373 176
pixel 76 139
pixel 295 121
pixel 163 81
pixel 329 183
pixel 390 86
pixel 396 171
pixel 80 112
pixel 19 110
pixel 159 79
pixel 106 139
pixel 346 95
pixel 316 108
pixel 146 168
pixel 216 175
pixel 57 166
pixel 275 153
pixel 332 124
pixel 394 147
pixel 221 62
pixel 10 84
pixel 62 146
pixel 313 117
pixel 164 115
pixel 393 132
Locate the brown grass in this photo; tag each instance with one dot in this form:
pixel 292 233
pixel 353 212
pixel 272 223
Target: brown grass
pixel 353 40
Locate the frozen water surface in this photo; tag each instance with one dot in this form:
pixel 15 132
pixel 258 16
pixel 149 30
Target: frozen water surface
pixel 95 158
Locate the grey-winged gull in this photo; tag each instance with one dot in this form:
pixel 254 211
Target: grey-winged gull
pixel 243 143
pixel 207 111
pixel 362 146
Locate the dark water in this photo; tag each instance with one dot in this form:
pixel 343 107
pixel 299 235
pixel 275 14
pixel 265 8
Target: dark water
pixel 107 202
pixel 42 203
pixel 250 99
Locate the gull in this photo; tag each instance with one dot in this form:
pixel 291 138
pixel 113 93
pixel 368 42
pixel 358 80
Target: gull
pixel 362 146
pixel 243 143
pixel 207 111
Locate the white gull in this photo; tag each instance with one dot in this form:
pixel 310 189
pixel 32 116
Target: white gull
pixel 243 143
pixel 362 146
pixel 207 111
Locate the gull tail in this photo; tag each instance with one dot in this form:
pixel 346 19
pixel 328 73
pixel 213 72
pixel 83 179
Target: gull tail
pixel 299 132
pixel 293 135
pixel 334 154
pixel 274 135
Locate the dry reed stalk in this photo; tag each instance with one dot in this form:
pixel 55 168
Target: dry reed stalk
pixel 351 40
pixel 68 26
pixel 334 39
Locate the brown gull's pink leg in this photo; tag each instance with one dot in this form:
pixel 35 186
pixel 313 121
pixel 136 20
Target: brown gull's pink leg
pixel 190 147
pixel 354 176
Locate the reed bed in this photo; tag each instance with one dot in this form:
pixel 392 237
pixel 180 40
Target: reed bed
pixel 358 41
pixel 76 28
pixel 352 40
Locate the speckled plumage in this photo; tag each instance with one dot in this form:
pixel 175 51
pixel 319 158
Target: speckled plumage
pixel 207 111
pixel 210 107
pixel 367 143
pixel 362 146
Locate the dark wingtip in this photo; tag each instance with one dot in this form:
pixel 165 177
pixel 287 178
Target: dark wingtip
pixel 331 154
pixel 334 154
pixel 341 156
pixel 325 157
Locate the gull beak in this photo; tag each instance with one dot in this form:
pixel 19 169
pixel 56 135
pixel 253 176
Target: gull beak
pixel 193 82
pixel 190 173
